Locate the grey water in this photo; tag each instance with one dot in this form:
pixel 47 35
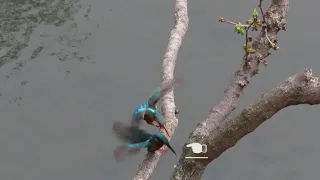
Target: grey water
pixel 70 68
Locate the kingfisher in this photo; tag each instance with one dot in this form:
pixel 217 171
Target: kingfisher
pixel 148 111
pixel 137 139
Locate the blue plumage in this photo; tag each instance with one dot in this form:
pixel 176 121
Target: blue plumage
pixel 137 139
pixel 148 111
pixel 138 112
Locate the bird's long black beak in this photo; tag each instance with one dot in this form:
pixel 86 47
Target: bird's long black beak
pixel 171 149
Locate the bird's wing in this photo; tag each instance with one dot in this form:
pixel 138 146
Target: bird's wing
pixel 158 115
pixel 138 114
pixel 161 91
pixel 121 152
pixel 129 133
pixel 124 151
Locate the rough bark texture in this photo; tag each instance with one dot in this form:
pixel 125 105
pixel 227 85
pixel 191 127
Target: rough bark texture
pixel 210 131
pixel 301 88
pixel 168 66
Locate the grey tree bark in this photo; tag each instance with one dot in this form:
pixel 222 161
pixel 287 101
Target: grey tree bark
pixel 301 88
pixel 212 131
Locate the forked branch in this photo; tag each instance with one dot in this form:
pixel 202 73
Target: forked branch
pixel 302 88
pixel 209 131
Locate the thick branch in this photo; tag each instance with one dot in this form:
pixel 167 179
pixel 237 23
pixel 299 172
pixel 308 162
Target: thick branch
pixel 208 130
pixel 168 66
pixel 301 88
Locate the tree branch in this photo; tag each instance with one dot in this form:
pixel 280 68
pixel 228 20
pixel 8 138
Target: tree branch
pixel 209 130
pixel 302 88
pixel 168 66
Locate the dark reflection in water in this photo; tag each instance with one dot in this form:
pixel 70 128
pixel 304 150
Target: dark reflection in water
pixel 20 17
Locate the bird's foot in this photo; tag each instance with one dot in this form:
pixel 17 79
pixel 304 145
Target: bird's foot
pixel 163 149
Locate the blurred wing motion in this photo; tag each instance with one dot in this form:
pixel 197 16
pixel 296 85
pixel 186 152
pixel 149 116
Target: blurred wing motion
pixel 125 151
pixel 129 133
pixel 160 92
pixel 137 139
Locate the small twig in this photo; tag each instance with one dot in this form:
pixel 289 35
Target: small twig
pixel 231 22
pixel 273 45
pixel 236 23
pixel 261 10
pixel 263 59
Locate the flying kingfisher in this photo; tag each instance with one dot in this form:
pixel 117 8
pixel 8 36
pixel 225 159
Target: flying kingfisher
pixel 137 139
pixel 149 112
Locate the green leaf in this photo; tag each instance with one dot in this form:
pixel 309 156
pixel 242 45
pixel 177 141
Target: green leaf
pixel 266 42
pixel 251 51
pixel 250 21
pixel 255 12
pixel 248 49
pixel 239 28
